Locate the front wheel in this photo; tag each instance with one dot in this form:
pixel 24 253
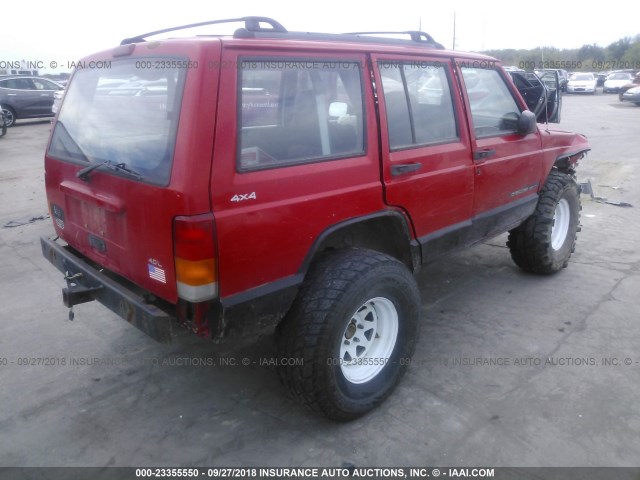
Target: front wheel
pixel 546 240
pixel 350 333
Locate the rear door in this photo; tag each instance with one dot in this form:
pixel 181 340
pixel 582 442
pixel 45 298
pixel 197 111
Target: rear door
pixel 427 168
pixel 508 165
pixel 43 90
pixel 296 153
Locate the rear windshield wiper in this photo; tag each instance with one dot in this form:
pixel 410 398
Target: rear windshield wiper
pixel 84 173
pixel 122 167
pixel 118 167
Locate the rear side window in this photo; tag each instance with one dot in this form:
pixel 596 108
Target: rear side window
pixel 418 104
pixel 298 111
pixel 42 84
pixel 124 115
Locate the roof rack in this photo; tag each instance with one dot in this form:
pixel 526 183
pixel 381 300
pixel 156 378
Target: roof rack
pixel 251 24
pixel 253 28
pixel 415 35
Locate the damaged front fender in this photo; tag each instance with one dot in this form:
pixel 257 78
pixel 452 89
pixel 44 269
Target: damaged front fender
pixel 563 150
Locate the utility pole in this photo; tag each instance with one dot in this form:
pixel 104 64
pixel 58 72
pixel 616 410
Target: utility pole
pixel 453 47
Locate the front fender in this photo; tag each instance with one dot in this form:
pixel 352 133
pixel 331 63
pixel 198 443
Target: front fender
pixel 562 149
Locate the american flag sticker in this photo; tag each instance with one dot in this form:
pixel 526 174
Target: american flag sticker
pixel 156 273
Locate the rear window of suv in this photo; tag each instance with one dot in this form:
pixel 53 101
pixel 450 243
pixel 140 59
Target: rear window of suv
pixel 123 115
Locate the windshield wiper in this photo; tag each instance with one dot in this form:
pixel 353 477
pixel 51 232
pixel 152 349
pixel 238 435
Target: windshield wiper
pixel 84 173
pixel 122 167
pixel 118 167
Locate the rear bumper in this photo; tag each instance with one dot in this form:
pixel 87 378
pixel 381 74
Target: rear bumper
pixel 90 284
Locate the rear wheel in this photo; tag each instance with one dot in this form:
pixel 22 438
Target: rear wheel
pixel 546 240
pixel 350 334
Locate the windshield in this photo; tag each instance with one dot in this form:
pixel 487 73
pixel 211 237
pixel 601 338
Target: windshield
pixel 122 115
pixel 620 76
pixel 582 77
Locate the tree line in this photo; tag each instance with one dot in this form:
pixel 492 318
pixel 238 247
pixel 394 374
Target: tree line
pixel 619 55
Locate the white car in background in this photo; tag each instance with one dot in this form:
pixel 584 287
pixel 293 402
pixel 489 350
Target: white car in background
pixel 616 80
pixel 582 83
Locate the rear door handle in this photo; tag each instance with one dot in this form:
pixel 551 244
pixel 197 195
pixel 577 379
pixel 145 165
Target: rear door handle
pixel 405 168
pixel 481 155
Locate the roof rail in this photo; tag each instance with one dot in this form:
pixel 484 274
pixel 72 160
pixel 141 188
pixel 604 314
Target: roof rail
pixel 253 28
pixel 415 35
pixel 251 24
pixel 421 41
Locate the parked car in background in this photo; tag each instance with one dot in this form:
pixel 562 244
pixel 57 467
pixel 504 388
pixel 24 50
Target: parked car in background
pixel 634 83
pixel 631 95
pixel 3 123
pixel 57 100
pixel 582 83
pixel 26 97
pixel 601 77
pixel 563 75
pixel 616 80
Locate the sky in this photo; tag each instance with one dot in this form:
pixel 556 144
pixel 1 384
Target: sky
pixel 67 30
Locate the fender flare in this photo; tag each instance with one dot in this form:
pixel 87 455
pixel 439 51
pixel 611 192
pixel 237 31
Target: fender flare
pixel 568 160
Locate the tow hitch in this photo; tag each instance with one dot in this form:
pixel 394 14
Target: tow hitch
pixel 76 294
pixel 86 283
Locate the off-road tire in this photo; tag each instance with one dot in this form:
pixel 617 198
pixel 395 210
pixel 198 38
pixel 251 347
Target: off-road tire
pixel 532 244
pixel 311 337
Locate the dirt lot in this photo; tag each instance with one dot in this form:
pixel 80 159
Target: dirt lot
pixel 511 369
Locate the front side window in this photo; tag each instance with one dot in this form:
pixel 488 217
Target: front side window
pixel 124 116
pixel 493 107
pixel 298 111
pixel 418 104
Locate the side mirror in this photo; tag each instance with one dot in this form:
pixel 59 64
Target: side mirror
pixel 527 123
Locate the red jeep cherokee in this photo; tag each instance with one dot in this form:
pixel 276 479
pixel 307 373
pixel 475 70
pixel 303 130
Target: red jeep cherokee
pixel 295 181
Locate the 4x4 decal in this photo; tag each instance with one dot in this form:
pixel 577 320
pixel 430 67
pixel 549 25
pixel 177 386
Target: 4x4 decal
pixel 244 196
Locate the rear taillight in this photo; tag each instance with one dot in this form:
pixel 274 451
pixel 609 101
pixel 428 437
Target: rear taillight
pixel 195 258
